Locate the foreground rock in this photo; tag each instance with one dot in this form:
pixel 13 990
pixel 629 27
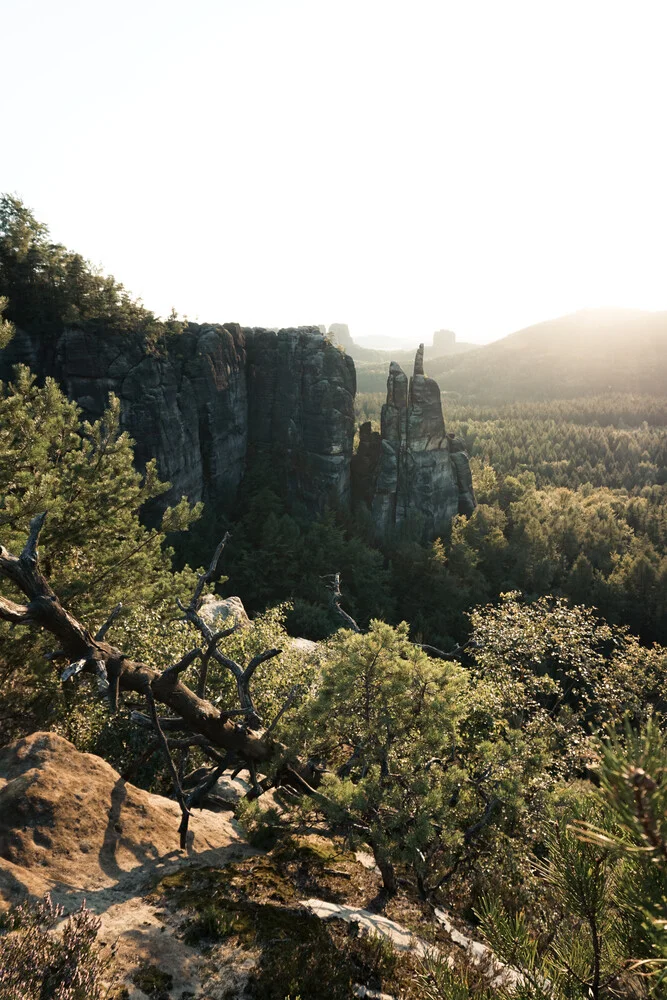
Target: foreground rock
pixel 71 826
pixel 68 819
pixel 217 921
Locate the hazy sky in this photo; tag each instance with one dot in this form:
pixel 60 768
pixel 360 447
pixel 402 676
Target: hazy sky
pixel 398 166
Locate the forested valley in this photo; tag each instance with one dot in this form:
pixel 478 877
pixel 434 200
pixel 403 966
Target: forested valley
pixel 483 714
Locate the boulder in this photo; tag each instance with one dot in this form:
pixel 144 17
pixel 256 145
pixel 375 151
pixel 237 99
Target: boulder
pixel 220 613
pixel 69 818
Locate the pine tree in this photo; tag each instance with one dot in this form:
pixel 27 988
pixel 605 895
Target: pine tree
pixel 94 546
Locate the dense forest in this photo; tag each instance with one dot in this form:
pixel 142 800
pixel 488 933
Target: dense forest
pixel 489 722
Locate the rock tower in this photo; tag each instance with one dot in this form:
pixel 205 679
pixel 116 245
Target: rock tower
pixel 412 469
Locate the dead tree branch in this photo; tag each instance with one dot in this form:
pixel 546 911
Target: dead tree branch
pixel 336 598
pixel 293 691
pixel 178 791
pixel 203 673
pixel 453 654
pixel 172 673
pixel 117 672
pixel 242 675
pixel 113 615
pixel 432 651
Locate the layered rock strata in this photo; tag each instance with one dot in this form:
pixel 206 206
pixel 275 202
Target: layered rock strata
pixel 412 470
pixel 211 397
pixel 301 392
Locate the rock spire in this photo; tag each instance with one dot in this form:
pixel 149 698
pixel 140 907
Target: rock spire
pixel 413 470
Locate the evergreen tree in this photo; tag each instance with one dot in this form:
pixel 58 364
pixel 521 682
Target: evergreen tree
pixel 94 547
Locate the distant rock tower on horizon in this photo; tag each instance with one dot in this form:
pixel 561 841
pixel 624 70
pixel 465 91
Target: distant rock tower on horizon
pixel 412 469
pixel 444 342
pixel 340 334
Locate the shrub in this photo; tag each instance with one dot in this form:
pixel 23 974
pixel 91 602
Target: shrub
pixel 37 963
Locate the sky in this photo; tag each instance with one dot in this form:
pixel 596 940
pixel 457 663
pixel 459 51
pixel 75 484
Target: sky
pixel 397 166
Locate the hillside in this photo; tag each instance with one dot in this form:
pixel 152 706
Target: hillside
pixel 586 353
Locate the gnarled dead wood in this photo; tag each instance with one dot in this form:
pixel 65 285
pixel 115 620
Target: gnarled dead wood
pixel 117 672
pixel 336 598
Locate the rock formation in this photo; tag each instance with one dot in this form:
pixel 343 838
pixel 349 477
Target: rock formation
pixel 208 401
pixel 340 334
pixel 412 469
pixel 301 409
pixel 444 342
pixel 68 817
pixel 210 398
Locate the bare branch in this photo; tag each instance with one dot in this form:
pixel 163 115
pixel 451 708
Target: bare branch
pixel 44 608
pixel 17 614
pixel 257 791
pixel 30 553
pixel 206 577
pixel 72 670
pixel 203 673
pixel 241 676
pixel 114 614
pixel 336 598
pixel 455 654
pixel 226 661
pixel 178 791
pixel 169 725
pixel 171 674
pixel 439 654
pixel 288 701
pixel 216 757
pixel 257 660
pixel 197 795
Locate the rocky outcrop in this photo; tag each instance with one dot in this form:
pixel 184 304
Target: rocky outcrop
pixel 301 391
pixel 211 397
pixel 210 400
pixel 340 334
pixel 412 470
pixel 70 817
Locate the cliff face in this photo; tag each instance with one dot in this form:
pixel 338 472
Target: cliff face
pixel 412 469
pixel 215 396
pixel 302 411
pixel 218 396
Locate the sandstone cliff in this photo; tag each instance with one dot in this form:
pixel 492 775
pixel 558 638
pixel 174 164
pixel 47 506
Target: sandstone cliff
pixel 301 391
pixel 412 469
pixel 206 402
pixel 211 397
